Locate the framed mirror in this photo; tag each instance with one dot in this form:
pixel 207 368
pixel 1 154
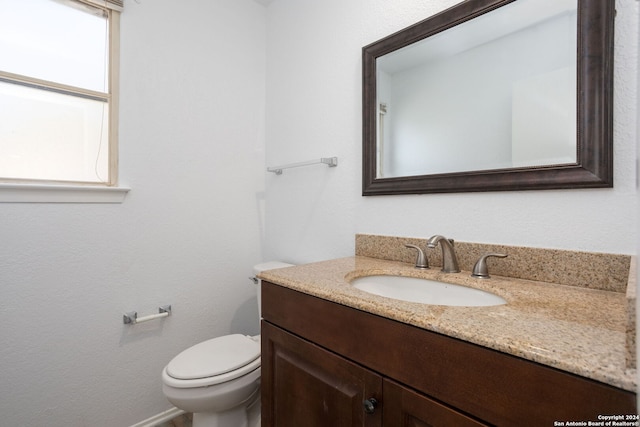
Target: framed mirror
pixel 491 95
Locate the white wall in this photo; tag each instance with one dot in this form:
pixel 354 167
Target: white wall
pixel 188 233
pixel 192 137
pixel 314 110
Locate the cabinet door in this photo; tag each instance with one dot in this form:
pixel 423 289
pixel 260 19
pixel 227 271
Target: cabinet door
pixel 304 385
pixel 406 408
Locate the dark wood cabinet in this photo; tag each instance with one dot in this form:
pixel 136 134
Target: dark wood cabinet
pixel 406 408
pixel 322 361
pixel 305 385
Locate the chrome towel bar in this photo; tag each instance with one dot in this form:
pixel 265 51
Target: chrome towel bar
pixel 332 162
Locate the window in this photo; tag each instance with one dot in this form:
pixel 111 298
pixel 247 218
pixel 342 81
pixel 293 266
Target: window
pixel 58 91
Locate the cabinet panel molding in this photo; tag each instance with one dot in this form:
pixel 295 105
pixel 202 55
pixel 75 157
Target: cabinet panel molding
pixel 305 385
pixel 406 408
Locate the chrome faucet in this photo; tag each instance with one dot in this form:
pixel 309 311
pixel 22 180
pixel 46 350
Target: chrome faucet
pixel 449 258
pixel 480 270
pixel 421 258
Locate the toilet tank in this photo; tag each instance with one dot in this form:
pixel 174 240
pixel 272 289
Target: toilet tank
pixel 257 269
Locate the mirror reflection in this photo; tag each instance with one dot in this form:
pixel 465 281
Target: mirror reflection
pixel 495 92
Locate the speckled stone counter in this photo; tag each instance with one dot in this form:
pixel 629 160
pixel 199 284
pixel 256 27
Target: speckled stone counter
pixel 573 328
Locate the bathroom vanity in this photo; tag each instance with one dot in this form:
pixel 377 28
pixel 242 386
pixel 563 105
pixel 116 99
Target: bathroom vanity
pixel 336 356
pixel 322 363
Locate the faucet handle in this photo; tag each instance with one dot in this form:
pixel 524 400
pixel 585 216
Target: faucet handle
pixel 481 270
pixel 421 259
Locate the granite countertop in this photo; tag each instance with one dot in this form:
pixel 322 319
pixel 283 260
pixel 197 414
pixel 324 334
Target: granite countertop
pixel 571 328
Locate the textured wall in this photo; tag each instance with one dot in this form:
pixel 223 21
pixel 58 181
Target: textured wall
pixel 314 110
pixel 192 132
pixel 188 233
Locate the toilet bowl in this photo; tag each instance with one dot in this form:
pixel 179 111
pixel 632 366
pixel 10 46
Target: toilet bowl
pixel 218 380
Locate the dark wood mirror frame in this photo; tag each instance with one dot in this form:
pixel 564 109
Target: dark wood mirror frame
pixel 594 167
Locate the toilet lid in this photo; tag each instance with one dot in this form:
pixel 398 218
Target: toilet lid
pixel 214 357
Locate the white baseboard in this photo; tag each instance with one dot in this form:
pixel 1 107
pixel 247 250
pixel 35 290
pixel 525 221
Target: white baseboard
pixel 160 418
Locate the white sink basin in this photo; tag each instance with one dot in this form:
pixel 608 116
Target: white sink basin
pixel 425 291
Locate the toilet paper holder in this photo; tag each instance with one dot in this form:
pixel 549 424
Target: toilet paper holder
pixel 131 318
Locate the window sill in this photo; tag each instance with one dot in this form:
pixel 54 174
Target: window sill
pixel 38 193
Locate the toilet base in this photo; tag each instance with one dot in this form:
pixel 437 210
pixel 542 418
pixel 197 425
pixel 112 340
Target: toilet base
pixel 240 416
pixel 237 417
pixel 254 413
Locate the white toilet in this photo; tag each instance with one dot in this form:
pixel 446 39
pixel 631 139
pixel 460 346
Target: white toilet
pixel 218 380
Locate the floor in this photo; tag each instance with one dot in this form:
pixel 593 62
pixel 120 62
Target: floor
pixel 181 421
pixel 185 420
